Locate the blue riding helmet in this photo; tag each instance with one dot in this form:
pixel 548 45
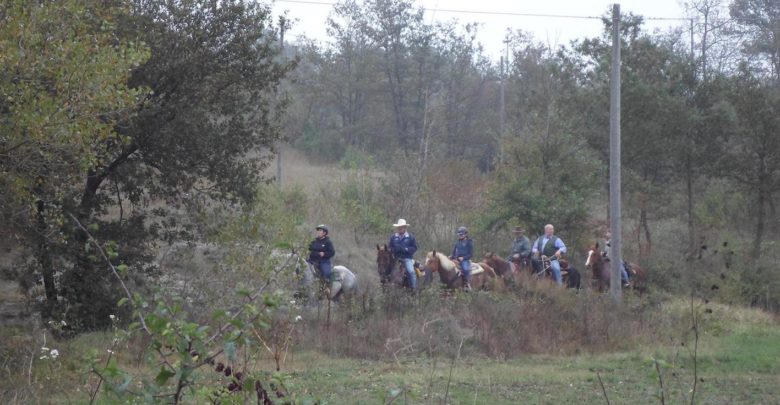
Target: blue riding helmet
pixel 462 230
pixel 322 227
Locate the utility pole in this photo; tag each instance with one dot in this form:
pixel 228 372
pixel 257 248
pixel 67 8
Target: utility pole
pixel 501 116
pixel 614 161
pixel 282 26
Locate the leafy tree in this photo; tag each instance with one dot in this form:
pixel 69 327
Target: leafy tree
pixel 63 87
pixel 201 135
pixel 758 23
pixel 751 154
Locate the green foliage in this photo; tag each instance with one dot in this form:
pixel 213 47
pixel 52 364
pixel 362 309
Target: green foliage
pixel 549 179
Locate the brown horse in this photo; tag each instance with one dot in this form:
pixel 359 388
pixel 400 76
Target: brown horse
pixel 392 272
pixel 484 279
pixel 602 272
pixel 510 272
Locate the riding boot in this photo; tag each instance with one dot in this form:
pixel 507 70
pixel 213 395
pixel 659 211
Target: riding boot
pixel 466 284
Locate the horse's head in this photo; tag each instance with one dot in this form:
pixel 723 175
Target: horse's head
pixel 594 260
pixel 432 261
pixel 384 260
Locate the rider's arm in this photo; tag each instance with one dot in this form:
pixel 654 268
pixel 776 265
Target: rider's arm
pixel 330 251
pixel 412 248
pixel 525 247
pixel 560 245
pixel 469 250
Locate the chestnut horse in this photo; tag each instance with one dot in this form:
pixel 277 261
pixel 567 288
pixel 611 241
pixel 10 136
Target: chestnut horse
pixel 450 276
pixel 511 272
pixel 602 272
pixel 392 272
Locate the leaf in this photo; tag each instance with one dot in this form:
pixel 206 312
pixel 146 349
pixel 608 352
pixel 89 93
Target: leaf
pixel 230 350
pixel 163 376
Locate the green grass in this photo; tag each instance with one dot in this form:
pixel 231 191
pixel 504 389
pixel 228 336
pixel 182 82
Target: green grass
pixel 629 378
pixel 733 367
pixel 736 364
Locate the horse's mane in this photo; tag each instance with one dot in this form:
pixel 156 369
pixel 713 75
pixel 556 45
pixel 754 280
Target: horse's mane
pixel 446 263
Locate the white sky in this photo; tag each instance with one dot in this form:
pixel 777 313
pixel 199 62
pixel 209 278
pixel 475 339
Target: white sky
pixel 555 31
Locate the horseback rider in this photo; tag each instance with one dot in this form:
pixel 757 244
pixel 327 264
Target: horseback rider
pixel 551 246
pixel 321 251
pixel 461 253
pixel 403 246
pixel 521 246
pixel 605 254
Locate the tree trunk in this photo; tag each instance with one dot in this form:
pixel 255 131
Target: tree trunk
pixel 646 226
pixel 760 220
pixel 689 189
pixel 44 259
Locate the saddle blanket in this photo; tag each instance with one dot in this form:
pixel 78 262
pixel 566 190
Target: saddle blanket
pixel 475 269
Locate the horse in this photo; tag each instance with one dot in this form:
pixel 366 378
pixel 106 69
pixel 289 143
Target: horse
pixel 343 283
pixel 601 271
pixel 571 276
pixel 483 277
pixel 393 273
pixel 509 271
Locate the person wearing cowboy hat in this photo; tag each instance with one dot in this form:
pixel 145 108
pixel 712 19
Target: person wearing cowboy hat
pixel 403 246
pixel 461 253
pixel 521 245
pixel 321 251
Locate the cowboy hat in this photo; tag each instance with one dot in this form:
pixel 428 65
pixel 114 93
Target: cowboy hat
pixel 401 222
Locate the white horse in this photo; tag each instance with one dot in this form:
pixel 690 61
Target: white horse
pixel 343 284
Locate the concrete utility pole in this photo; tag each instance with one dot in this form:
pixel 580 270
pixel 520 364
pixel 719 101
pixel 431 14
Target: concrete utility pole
pixel 282 26
pixel 501 115
pixel 614 160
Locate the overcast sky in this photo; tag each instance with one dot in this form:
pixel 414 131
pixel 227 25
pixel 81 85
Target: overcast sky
pixel 311 17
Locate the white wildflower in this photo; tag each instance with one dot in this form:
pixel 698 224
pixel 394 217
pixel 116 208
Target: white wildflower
pixel 54 353
pixel 112 316
pixel 298 318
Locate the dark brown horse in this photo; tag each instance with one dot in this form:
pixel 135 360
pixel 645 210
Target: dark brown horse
pixel 484 279
pixel 601 271
pixel 511 272
pixel 392 272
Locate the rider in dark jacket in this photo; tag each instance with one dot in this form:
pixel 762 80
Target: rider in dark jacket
pixel 461 253
pixel 321 251
pixel 403 245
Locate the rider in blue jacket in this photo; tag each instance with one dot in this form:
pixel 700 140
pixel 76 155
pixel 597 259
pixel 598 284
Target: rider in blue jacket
pixel 461 253
pixel 403 246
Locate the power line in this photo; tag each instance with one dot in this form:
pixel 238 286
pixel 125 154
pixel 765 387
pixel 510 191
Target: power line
pixel 499 13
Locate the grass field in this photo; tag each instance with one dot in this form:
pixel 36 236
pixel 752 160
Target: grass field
pixel 736 363
pixel 738 368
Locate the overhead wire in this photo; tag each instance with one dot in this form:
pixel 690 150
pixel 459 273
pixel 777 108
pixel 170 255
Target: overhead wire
pixel 498 13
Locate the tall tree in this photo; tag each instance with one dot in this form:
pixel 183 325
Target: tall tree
pixel 63 89
pixel 751 145
pixel 200 135
pixel 759 23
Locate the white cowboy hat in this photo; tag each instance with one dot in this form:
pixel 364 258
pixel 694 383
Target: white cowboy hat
pixel 401 222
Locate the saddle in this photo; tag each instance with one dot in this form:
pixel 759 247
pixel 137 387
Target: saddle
pixel 475 269
pixel 418 270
